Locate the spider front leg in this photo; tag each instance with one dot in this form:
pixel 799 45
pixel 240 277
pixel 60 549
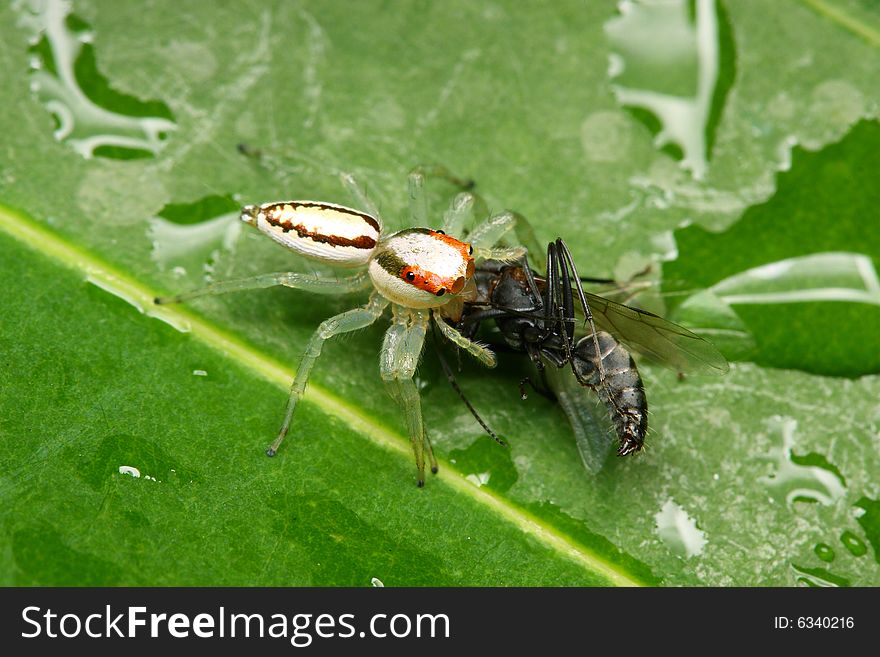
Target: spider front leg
pixel 460 216
pixel 306 282
pixel 475 349
pixel 350 320
pixel 398 360
pixel 418 197
pixel 487 236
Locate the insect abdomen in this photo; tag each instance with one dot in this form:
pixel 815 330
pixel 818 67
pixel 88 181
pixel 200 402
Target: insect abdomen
pixel 322 231
pixel 622 391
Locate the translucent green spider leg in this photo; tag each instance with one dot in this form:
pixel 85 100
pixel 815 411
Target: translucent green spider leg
pixel 496 229
pixel 475 349
pixel 398 360
pixel 350 320
pixel 460 214
pixel 359 194
pixel 306 282
pixel 418 197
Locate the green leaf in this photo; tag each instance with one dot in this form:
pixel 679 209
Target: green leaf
pixel 806 260
pixel 744 476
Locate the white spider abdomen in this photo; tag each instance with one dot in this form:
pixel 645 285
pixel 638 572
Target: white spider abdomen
pixel 322 231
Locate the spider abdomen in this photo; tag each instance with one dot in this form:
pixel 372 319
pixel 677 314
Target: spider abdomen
pixel 323 231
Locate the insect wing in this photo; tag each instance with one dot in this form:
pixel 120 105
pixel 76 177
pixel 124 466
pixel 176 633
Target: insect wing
pixel 656 337
pixel 589 420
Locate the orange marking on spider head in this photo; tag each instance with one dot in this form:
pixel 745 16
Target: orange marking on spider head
pixel 429 260
pixel 426 280
pixel 455 285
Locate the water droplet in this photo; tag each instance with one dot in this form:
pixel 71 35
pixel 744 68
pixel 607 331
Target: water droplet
pixel 377 583
pixel 173 243
pixel 484 462
pixel 834 103
pixel 869 521
pixel 824 552
pixel 200 373
pixel 194 234
pixel 129 470
pixel 795 481
pixel 124 128
pixel 835 276
pixel 818 577
pixel 120 290
pixel 679 531
pixel 479 479
pixel 853 543
pixel 667 66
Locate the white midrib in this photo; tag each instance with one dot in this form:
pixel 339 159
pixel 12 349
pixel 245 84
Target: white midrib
pixel 106 276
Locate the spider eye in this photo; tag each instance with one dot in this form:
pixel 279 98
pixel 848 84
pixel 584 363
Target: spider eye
pixel 441 291
pixel 410 276
pixel 470 250
pixel 440 232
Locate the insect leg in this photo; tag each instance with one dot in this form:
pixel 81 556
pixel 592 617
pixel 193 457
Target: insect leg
pixel 469 323
pixel 398 360
pixel 551 293
pixel 454 383
pixel 565 305
pixel 306 282
pixel 535 355
pixel 350 320
pixel 475 349
pixel 566 257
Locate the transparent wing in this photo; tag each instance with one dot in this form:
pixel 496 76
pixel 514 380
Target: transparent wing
pixel 653 336
pixel 590 424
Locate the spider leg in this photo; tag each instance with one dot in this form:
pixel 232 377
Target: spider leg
pixel 488 235
pixel 418 197
pixel 475 349
pixel 306 282
pixel 398 360
pixel 350 320
pixel 450 376
pixel 460 214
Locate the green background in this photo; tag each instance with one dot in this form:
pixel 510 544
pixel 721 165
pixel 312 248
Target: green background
pixel 773 467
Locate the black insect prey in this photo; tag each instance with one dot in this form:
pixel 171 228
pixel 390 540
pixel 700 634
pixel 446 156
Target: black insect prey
pixel 540 315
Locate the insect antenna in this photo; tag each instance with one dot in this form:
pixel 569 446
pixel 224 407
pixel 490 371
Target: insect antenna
pixel 597 281
pixel 507 310
pixel 454 383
